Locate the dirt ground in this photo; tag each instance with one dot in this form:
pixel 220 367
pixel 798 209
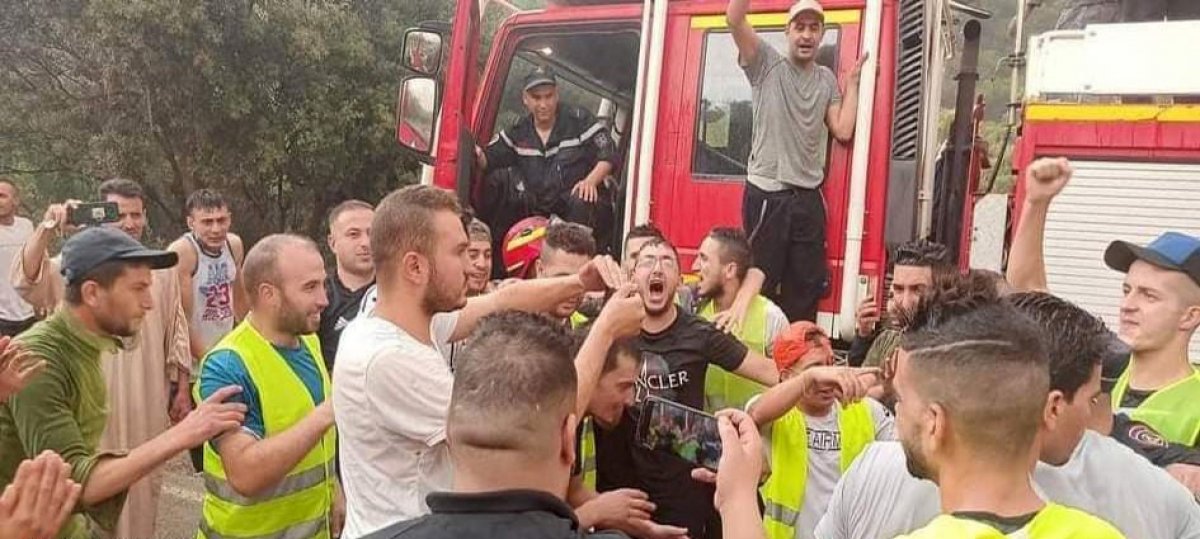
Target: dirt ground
pixel 179 505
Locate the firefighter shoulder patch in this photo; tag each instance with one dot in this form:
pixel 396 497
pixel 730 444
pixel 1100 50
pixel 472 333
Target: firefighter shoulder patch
pixel 1146 436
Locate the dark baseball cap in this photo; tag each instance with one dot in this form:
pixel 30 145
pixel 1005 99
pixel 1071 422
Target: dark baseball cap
pixel 1172 251
pixel 539 76
pixel 87 250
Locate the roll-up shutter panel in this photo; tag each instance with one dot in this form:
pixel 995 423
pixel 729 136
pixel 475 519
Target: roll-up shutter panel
pixel 1108 200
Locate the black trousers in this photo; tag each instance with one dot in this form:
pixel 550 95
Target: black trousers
pixel 787 236
pixel 9 328
pixel 597 216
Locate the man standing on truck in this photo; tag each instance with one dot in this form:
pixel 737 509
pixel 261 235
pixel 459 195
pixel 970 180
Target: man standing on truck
pixel 562 153
pixel 797 104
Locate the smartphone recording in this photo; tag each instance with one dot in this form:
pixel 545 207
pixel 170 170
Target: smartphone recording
pixel 683 431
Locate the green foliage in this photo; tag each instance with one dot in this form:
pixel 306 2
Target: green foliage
pixel 995 76
pixel 285 106
pixel 996 44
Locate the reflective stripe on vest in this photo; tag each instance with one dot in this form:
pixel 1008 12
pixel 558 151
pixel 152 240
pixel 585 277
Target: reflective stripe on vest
pixel 1052 522
pixel 723 389
pixel 303 530
pixel 588 454
pixel 298 506
pixel 1171 411
pixel 783 495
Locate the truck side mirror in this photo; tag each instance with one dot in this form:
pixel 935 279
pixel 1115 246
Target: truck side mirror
pixel 423 51
pixel 415 114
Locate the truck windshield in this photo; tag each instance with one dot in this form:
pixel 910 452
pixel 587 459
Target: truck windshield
pixel 725 117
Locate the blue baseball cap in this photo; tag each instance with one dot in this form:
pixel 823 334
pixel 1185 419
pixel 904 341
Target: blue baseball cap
pixel 1172 251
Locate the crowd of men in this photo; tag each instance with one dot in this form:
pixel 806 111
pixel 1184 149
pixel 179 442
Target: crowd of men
pixel 405 393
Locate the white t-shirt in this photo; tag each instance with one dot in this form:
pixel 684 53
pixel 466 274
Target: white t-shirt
pixel 825 459
pixel 878 498
pixel 777 323
pixel 12 238
pixel 390 403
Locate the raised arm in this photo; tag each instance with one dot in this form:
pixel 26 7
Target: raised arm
pixel 1044 180
pixel 253 466
pixel 622 317
pixel 743 33
pixel 841 116
pixel 758 368
pixel 851 384
pixel 32 275
pixel 539 295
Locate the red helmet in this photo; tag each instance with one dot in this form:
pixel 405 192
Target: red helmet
pixel 523 245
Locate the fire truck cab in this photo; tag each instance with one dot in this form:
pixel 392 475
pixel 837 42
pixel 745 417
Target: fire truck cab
pixel 665 76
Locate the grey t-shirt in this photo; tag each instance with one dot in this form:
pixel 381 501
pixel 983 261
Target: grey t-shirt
pixel 878 498
pixel 790 135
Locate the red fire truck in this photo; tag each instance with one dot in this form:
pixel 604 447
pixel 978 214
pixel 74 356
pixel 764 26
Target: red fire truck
pixel 1117 100
pixel 665 76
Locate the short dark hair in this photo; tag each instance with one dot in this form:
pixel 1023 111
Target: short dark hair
pixel 204 199
pixel 511 377
pixel 570 238
pixel 922 254
pixel 1076 341
pixel 345 206
pixel 261 265
pixel 982 360
pixel 646 230
pixel 404 223
pixel 735 248
pixel 626 347
pixel 479 231
pixel 104 275
pixel 662 242
pixel 123 188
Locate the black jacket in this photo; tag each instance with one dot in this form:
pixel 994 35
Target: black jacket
pixel 515 514
pixel 549 171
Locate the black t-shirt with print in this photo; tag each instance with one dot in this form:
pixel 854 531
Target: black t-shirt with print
pixel 343 307
pixel 674 364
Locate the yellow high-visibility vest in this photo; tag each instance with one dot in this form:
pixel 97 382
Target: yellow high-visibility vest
pixel 587 454
pixel 299 506
pixel 1173 411
pixel 723 389
pixel 1052 522
pixel 783 495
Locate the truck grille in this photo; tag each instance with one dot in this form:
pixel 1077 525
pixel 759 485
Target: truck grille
pixel 909 68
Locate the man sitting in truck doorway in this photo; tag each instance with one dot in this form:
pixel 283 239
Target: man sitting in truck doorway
pixel 797 105
pixel 562 153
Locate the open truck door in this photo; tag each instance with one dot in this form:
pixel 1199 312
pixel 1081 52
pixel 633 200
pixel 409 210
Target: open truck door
pixel 436 95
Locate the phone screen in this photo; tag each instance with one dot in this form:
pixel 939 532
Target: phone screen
pixel 683 431
pixel 94 213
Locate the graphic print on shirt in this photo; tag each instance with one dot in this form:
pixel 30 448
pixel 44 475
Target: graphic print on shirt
pixel 824 440
pixel 658 380
pixel 217 292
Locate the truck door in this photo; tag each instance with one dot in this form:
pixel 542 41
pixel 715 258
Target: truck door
pixel 706 125
pixel 436 95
